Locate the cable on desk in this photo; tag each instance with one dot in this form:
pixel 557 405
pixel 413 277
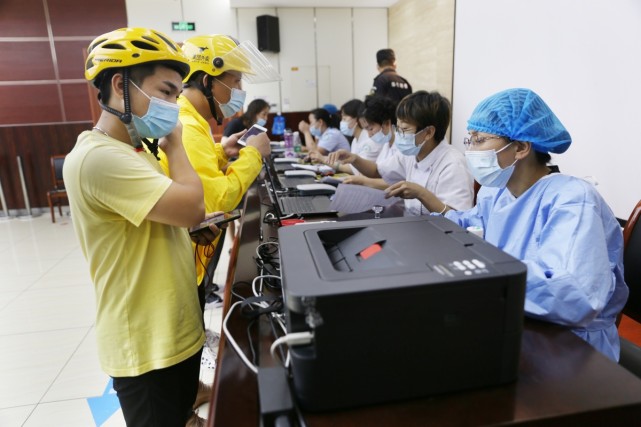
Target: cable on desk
pixel 233 342
pixel 261 277
pixel 294 338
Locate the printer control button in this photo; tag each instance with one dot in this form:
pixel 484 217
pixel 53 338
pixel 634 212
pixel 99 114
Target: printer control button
pixel 479 264
pixel 469 265
pixel 458 265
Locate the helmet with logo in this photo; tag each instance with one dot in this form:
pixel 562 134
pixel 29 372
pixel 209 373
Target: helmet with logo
pixel 126 47
pixel 216 53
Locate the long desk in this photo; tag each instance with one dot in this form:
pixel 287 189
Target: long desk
pixel 562 380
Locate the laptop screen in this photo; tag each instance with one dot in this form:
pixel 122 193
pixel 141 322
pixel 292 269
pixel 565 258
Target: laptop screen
pixel 272 191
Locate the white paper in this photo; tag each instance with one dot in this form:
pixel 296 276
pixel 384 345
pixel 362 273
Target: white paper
pixel 352 198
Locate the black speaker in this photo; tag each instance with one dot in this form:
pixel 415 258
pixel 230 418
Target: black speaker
pixel 267 29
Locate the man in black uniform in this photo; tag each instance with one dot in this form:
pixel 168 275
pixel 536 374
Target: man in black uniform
pixel 388 83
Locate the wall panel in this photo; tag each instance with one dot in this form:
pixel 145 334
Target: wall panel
pixel 370 35
pixel 27 56
pixel 334 53
pixel 22 18
pixel 298 59
pixel 76 102
pixel 247 31
pixel 422 35
pixel 30 104
pixel 26 60
pixel 71 18
pixel 70 56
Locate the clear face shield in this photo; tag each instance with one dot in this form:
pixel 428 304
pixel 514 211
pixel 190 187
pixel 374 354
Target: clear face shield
pixel 255 67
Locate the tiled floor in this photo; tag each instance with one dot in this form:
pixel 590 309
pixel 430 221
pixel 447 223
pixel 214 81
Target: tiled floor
pixel 49 371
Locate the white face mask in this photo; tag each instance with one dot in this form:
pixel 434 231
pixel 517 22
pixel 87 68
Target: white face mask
pixel 486 170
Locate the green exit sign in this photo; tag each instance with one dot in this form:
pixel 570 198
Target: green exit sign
pixel 183 26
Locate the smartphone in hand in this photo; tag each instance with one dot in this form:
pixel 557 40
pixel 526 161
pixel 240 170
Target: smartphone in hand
pixel 254 130
pixel 217 220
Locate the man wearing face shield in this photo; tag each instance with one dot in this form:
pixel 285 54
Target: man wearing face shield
pixel 131 220
pixel 213 89
pixel 558 225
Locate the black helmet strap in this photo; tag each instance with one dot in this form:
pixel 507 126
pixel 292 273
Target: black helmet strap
pixel 206 89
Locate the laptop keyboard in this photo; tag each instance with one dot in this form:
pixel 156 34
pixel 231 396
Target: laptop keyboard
pixel 297 205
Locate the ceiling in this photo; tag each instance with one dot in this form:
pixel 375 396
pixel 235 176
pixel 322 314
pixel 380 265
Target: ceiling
pixel 311 3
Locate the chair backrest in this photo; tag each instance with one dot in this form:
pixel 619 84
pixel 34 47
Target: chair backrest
pixel 57 161
pixel 632 263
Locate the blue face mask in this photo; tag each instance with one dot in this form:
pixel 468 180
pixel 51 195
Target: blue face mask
pixel 380 138
pixel 406 143
pixel 315 131
pixel 160 120
pixel 345 129
pixel 261 122
pixel 486 170
pixel 235 103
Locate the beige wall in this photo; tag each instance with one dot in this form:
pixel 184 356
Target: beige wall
pixel 421 32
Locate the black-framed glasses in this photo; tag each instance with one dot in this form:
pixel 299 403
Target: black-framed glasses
pixel 473 141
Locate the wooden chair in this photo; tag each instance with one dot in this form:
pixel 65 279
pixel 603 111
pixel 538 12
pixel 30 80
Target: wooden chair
pixel 58 193
pixel 631 353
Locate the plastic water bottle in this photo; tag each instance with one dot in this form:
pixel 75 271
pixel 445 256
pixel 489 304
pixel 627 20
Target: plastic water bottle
pixel 278 128
pixel 288 137
pixel 297 143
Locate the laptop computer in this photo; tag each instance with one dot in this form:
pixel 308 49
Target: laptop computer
pixel 283 181
pixel 295 205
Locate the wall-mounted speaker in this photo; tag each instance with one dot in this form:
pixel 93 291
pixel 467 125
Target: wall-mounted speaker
pixel 268 37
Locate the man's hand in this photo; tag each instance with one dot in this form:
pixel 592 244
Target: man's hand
pixel 207 235
pixel 175 137
pixel 261 143
pixel 231 145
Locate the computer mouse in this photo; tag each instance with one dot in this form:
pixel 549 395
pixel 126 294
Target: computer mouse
pixel 286 160
pixel 316 188
pixel 300 173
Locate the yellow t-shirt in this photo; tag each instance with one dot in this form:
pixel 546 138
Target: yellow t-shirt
pixel 148 315
pixel 223 190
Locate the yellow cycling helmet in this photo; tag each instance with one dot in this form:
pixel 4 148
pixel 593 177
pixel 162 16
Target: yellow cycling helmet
pixel 216 53
pixel 132 46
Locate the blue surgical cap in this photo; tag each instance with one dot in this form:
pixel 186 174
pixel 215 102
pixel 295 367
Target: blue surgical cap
pixel 521 115
pixel 331 108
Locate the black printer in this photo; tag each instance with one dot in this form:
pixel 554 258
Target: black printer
pixel 399 308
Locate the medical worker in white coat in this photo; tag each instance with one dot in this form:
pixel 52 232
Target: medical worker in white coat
pixel 424 164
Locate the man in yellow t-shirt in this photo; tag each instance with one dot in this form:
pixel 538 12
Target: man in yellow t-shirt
pixel 131 220
pixel 213 90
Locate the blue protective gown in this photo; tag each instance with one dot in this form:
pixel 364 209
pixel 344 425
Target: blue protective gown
pixel 572 245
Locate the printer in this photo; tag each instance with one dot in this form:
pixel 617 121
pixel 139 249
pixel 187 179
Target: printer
pixel 399 308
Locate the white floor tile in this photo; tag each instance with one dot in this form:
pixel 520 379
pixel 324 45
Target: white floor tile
pixel 69 413
pixel 29 363
pixel 7 297
pixel 15 417
pixel 49 309
pixel 82 376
